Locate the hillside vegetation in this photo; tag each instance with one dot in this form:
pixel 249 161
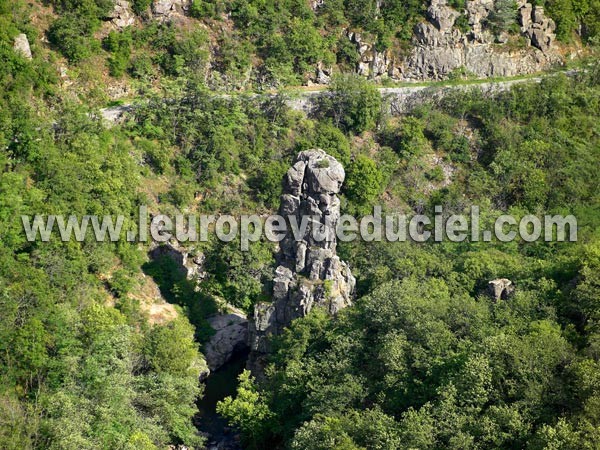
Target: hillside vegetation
pixel 424 359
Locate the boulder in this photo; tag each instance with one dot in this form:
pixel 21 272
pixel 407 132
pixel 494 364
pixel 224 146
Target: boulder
pixel 538 15
pixel 231 336
pixel 167 10
pixel 525 16
pixel 21 46
pixel 122 15
pixel 500 289
pixel 316 4
pixel 537 27
pixel 441 15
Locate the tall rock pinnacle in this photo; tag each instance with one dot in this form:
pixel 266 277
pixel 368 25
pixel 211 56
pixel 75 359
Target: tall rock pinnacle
pixel 309 272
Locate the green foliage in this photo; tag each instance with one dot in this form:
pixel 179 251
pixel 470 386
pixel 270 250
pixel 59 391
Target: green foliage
pixel 171 348
pixel 121 283
pixel 140 6
pixel 157 156
pixel 141 67
pixel 364 181
pixel 268 183
pixel 458 4
pixel 462 23
pixel 571 16
pixel 72 32
pixel 354 104
pixel 71 35
pixel 202 9
pixel 119 45
pixel 434 375
pixel 177 289
pixel 239 276
pixel 503 16
pixel 424 360
pixel 248 411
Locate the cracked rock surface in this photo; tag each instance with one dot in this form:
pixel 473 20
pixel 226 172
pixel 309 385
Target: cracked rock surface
pixel 309 272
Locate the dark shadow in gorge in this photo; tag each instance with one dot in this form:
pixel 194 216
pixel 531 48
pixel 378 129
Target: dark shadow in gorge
pixel 220 384
pixel 177 289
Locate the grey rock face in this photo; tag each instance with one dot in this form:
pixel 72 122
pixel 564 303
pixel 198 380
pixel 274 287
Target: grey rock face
pixel 191 267
pixel 21 46
pixel 115 114
pixel 309 273
pixel 316 4
pixel 500 289
pixel 122 16
pixel 372 63
pixel 537 27
pixel 231 336
pixel 440 48
pixel 166 10
pixel 441 15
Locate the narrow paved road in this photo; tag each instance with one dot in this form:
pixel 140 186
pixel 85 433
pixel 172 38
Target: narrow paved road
pixel 400 99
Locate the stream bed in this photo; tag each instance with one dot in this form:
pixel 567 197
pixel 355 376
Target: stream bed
pixel 220 384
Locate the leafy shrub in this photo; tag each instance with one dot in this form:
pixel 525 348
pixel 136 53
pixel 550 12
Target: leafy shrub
pixel 71 35
pixel 503 16
pixel 354 103
pixel 267 183
pixel 347 56
pixel 119 44
pixel 155 154
pixel 141 67
pixel 121 283
pixel 460 149
pixel 141 6
pixel 72 32
pixel 436 174
pixel 364 181
pixel 200 9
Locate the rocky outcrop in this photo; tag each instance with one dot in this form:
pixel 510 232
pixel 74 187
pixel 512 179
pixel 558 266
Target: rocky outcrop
pixel 21 46
pixel 537 27
pixel 372 64
pixel 442 16
pixel 316 4
pixel 231 336
pixel 440 47
pixel 477 12
pixel 169 10
pixel 115 114
pixel 192 266
pixel 122 16
pixel 309 272
pixel 500 289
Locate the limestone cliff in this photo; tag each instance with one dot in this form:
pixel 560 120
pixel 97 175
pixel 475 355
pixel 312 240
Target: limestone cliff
pixel 309 272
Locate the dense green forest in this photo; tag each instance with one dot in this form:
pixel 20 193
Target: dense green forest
pixel 423 360
pixel 426 359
